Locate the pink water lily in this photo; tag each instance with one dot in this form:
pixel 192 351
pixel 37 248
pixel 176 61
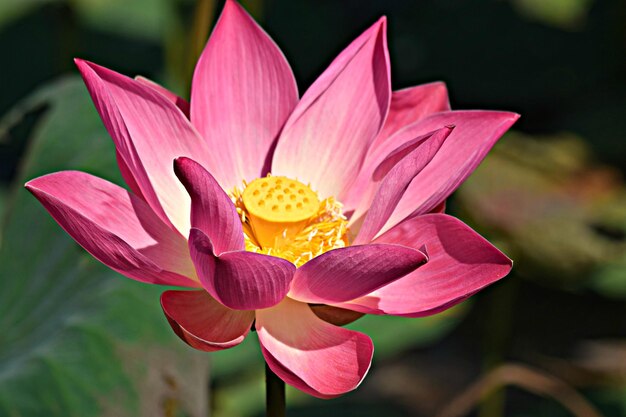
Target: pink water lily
pixel 295 215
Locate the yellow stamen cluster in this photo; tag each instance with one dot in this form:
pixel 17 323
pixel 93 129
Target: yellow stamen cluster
pixel 284 218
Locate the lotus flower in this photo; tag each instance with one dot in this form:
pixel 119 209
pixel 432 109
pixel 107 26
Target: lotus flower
pixel 295 215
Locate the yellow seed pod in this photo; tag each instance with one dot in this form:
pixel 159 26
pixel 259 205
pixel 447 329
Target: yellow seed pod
pixel 278 207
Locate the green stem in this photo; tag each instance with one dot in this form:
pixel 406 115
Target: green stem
pixel 497 334
pixel 274 394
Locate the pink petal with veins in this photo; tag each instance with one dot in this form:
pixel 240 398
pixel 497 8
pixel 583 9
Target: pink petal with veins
pixel 240 280
pixel 202 322
pixel 325 139
pixel 243 91
pixel 149 132
pixel 117 228
pixel 310 354
pixel 347 273
pixel 461 262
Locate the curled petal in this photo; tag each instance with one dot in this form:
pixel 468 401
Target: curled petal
pixel 461 263
pixel 325 139
pixel 240 280
pixel 212 211
pixel 398 170
pixel 407 107
pixel 243 91
pixel 474 134
pixel 203 323
pixel 347 273
pixel 117 228
pixel 306 352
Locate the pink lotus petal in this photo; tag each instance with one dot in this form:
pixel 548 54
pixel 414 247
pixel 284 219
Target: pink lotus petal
pixel 203 323
pixel 397 171
pixel 243 91
pixel 407 107
pixel 128 176
pixel 212 211
pixel 347 273
pixel 327 136
pixel 180 102
pixel 474 135
pixel 240 280
pixel 460 263
pixel 412 104
pixel 149 131
pixel 117 228
pixel 316 357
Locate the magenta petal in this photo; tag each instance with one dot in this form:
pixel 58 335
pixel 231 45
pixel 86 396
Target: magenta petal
pixel 128 176
pixel 412 104
pixel 325 139
pixel 399 169
pixel 314 356
pixel 117 228
pixel 149 131
pixel 474 134
pixel 460 263
pixel 240 280
pixel 347 273
pixel 203 323
pixel 212 211
pixel 243 91
pixel 407 107
pixel 180 102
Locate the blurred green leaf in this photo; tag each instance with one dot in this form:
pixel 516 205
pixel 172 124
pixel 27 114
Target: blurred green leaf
pixel 78 339
pixel 565 14
pixel 558 214
pixel 611 280
pixel 13 9
pixel 145 19
pixel 3 197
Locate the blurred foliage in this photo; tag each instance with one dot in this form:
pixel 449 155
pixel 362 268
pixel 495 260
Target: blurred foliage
pixel 567 14
pixel 148 19
pixel 72 330
pixel 560 215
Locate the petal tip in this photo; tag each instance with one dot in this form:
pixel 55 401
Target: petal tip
pixel 178 164
pixel 182 165
pixel 233 6
pixel 84 65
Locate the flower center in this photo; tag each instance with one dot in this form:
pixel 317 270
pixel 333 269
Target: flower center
pixel 285 218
